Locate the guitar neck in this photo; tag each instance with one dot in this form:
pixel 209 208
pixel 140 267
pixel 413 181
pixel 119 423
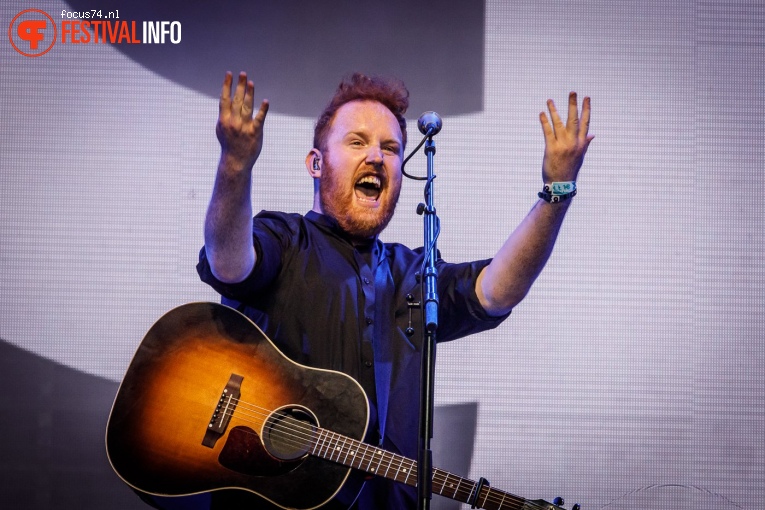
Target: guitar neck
pixel 355 454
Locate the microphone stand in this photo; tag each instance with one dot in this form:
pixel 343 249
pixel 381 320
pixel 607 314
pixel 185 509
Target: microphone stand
pixel 429 125
pixel 430 320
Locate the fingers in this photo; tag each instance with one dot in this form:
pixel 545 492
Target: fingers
pixel 557 124
pixel 227 106
pixel 248 101
pixel 242 104
pixel 260 117
pixel 225 95
pixel 572 123
pixel 576 127
pixel 546 127
pixel 239 132
pixel 238 100
pixel 565 146
pixel 585 127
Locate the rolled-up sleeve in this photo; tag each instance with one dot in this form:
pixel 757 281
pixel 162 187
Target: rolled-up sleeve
pixel 270 236
pixel 460 311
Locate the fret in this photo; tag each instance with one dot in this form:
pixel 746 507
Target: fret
pixel 331 441
pixel 355 454
pixel 315 441
pixel 470 494
pixel 338 449
pixel 373 463
pixel 389 465
pixel 364 455
pixel 402 472
pixel 327 441
pixel 395 477
pixel 345 459
pixel 328 444
pixel 377 458
pixel 447 483
pixel 483 505
pixel 408 472
pixel 457 488
pixel 369 457
pixel 347 444
pixel 316 448
pixel 443 484
pixel 363 452
pixel 508 501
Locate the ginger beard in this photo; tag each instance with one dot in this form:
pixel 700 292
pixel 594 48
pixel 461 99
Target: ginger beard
pixel 363 207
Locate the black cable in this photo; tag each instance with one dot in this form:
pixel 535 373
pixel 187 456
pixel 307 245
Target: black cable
pixel 410 157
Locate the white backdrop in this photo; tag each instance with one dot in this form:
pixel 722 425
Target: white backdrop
pixel 633 374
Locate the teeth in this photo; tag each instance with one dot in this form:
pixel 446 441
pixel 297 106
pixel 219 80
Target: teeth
pixel 370 179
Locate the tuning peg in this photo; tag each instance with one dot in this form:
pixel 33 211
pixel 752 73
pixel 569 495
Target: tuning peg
pixel 558 501
pixel 576 507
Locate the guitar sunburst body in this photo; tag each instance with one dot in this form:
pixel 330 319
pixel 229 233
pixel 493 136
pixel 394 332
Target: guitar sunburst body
pixel 179 386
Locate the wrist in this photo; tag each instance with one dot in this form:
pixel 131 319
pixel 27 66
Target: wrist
pixel 233 165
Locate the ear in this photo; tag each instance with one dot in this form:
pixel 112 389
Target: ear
pixel 313 163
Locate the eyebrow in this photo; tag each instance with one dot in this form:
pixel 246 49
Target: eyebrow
pixel 364 135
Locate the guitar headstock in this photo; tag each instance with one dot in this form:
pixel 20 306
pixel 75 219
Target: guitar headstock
pixel 541 504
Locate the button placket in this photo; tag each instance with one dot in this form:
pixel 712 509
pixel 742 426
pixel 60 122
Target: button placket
pixel 366 279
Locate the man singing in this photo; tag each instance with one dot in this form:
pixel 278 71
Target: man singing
pixel 324 287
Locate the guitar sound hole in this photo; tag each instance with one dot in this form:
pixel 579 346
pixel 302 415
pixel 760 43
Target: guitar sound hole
pixel 288 432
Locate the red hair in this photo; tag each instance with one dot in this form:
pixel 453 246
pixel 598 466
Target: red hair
pixel 390 92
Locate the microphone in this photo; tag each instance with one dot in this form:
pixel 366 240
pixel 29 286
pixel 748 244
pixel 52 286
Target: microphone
pixel 429 123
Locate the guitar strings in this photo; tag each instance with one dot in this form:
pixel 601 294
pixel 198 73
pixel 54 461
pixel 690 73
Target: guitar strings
pixel 306 435
pixel 500 498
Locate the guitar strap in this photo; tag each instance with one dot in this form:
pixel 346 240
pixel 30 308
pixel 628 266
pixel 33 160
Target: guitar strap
pixel 383 352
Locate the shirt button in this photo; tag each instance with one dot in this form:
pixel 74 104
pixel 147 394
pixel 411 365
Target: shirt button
pixel 366 280
pixel 368 364
pixel 369 320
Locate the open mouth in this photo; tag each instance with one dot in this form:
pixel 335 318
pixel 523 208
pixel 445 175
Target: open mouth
pixel 368 188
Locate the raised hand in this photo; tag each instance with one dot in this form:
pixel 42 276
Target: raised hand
pixel 239 132
pixel 565 145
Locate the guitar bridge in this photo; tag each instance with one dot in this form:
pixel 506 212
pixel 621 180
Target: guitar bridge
pixel 223 411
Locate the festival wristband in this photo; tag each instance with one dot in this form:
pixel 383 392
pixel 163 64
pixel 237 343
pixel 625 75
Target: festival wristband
pixel 558 191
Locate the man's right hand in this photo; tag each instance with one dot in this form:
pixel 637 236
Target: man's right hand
pixel 239 132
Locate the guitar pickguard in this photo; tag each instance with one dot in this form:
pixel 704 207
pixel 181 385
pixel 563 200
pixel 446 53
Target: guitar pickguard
pixel 244 453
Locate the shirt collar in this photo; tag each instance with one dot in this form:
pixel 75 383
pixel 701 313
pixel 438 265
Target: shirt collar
pixel 331 224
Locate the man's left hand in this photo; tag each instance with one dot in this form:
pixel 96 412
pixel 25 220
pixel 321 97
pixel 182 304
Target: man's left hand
pixel 565 145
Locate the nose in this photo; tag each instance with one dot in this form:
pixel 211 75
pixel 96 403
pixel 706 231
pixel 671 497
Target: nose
pixel 375 156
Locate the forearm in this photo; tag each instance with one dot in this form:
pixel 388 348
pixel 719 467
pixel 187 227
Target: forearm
pixel 520 260
pixel 507 279
pixel 228 224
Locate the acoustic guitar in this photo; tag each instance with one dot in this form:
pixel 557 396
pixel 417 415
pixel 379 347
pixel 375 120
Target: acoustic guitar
pixel 209 403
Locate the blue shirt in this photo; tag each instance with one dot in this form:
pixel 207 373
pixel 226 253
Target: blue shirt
pixel 330 304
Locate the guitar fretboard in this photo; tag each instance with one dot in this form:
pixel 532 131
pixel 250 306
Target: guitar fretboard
pixel 355 454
